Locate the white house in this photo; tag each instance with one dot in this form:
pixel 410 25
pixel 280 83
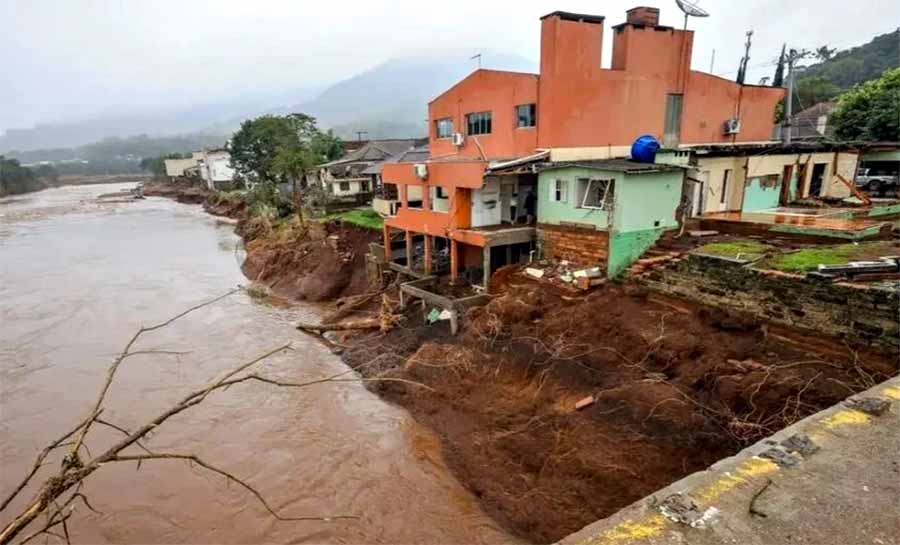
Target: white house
pixel 215 167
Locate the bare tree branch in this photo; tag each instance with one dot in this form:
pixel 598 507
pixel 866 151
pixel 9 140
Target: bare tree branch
pixel 114 366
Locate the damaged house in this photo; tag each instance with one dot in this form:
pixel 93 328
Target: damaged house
pixel 355 175
pixel 499 140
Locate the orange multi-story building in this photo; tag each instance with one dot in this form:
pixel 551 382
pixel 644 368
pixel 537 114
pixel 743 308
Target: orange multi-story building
pixel 485 130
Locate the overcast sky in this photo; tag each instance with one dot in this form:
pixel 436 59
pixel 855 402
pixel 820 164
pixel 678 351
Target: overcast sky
pixel 72 59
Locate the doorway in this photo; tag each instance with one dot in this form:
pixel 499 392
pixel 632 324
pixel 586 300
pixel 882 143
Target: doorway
pixel 722 201
pixel 787 194
pixel 698 196
pixel 815 182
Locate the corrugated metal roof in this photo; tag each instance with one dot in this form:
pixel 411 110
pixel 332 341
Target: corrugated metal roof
pixel 618 165
pixel 375 150
pixel 417 154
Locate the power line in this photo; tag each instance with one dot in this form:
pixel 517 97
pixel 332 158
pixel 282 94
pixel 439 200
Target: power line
pixel 774 62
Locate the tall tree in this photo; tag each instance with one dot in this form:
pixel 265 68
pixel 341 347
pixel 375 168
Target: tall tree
pixel 870 111
pixel 778 80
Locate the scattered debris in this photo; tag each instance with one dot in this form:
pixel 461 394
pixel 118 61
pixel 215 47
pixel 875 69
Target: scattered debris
pixel 584 402
pixel 752 509
pixel 682 509
pixel 870 405
pixel 707 233
pixel 800 443
pixel 535 273
pixel 781 457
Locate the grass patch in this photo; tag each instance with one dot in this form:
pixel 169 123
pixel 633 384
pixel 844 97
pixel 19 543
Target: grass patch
pixel 361 217
pixel 840 254
pixel 741 249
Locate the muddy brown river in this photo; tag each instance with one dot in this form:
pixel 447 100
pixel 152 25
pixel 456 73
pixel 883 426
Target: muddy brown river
pixel 78 277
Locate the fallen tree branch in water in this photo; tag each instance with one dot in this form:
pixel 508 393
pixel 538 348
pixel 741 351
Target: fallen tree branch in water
pixel 57 494
pixel 343 326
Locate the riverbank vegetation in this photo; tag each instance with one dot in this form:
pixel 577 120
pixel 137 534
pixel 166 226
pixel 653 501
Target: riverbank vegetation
pixel 16 179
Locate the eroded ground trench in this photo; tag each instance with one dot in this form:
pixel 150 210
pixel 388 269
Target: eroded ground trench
pixel 676 387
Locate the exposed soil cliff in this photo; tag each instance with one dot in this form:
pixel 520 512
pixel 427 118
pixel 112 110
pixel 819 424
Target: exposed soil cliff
pixel 309 261
pixel 676 387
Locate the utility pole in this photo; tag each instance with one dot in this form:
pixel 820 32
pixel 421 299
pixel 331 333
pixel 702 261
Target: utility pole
pixel 786 126
pixel 359 135
pixel 478 56
pixel 712 62
pixel 742 72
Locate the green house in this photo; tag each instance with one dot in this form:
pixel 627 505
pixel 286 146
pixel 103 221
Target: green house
pixel 606 212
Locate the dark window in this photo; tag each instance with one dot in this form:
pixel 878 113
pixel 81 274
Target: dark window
pixel 440 192
pixel 478 123
pixel 345 186
pixel 444 127
pixel 364 186
pixel 526 115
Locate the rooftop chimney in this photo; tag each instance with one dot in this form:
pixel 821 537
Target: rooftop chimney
pixel 643 16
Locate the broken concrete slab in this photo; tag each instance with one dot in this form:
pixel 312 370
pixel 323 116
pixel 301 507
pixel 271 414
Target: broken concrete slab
pixel 844 493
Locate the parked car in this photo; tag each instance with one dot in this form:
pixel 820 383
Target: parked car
pixel 878 180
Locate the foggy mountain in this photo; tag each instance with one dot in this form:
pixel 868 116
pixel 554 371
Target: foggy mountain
pixel 386 101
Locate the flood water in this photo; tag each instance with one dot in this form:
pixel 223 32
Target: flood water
pixel 77 278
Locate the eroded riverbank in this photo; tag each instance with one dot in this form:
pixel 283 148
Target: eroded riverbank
pixel 80 277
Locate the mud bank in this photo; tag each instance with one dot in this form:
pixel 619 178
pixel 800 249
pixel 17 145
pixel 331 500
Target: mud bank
pixel 676 387
pixel 181 190
pixel 303 261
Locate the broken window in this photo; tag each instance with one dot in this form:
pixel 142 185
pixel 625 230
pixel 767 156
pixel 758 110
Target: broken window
pixel 559 191
pixel 444 127
pixel 364 186
pixel 440 193
pixel 596 194
pixel 478 123
pixel 526 115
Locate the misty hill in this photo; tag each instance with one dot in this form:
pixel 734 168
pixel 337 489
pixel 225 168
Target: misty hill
pixel 115 155
pixel 165 122
pixel 829 78
pixel 390 100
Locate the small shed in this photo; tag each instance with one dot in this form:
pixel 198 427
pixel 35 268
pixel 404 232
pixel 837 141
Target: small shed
pixel 606 212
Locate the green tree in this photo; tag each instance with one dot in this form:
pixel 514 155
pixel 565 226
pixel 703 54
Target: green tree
pixel 16 179
pixel 870 111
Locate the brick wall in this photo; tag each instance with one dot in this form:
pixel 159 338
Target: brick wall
pixel 581 246
pixel 860 314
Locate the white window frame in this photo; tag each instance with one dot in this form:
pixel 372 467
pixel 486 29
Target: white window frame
pixel 437 127
pixel 587 191
pixel 559 190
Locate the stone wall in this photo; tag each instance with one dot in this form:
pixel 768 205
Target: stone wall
pixel 577 245
pixel 861 314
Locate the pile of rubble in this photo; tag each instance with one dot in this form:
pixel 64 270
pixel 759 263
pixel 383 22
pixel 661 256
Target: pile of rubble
pixel 565 274
pixel 642 267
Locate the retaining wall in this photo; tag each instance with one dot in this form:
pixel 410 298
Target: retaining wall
pixel 861 314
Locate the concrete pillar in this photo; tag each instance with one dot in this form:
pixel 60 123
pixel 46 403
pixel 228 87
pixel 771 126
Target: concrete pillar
pixel 403 194
pixel 454 260
pixel 408 249
pixel 429 242
pixel 486 256
pixel 387 244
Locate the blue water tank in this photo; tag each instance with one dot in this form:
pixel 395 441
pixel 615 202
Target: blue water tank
pixel 644 149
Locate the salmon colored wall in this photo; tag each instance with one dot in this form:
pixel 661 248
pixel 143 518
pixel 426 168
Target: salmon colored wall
pixel 710 100
pixel 583 105
pixel 442 173
pixel 486 90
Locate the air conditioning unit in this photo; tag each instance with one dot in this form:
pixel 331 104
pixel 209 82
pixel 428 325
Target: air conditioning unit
pixel 732 126
pixel 458 139
pixel 421 170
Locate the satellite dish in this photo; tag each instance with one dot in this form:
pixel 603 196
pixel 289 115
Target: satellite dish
pixel 691 9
